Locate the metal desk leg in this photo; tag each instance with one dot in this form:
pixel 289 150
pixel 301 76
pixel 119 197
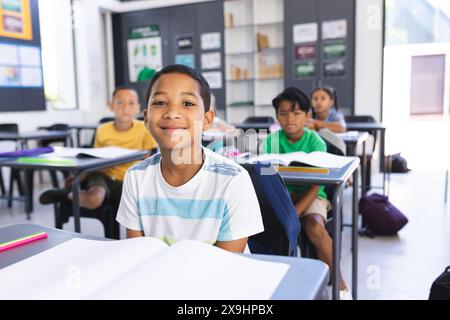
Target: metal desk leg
pixel 363 171
pixel 76 202
pixel 355 235
pixel 336 241
pixel 383 158
pixel 446 186
pixel 28 189
pixel 78 138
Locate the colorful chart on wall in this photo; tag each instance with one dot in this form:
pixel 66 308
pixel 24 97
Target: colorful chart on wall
pixel 334 50
pixel 303 52
pixel 303 70
pixel 144 53
pixel 211 41
pixel 15 19
pixel 214 79
pixel 211 61
pixel 20 66
pixel 305 32
pixel 186 60
pixel 334 69
pixel 334 29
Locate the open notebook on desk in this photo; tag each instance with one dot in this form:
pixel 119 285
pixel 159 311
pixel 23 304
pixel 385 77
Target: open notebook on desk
pixel 314 159
pixel 139 268
pixel 104 153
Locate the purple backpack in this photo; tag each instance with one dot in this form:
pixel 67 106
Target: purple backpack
pixel 379 216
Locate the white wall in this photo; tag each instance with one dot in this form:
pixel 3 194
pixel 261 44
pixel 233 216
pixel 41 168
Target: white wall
pixel 369 56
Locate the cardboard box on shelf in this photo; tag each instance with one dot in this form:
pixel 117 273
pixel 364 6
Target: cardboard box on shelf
pixel 274 70
pixel 228 20
pixel 262 41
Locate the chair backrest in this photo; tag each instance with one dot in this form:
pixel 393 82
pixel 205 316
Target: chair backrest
pixel 58 127
pixel 9 127
pixel 366 119
pixel 335 145
pixel 281 223
pixel 106 119
pixel 259 120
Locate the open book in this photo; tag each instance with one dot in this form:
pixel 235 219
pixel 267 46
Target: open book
pixel 139 268
pixel 104 153
pixel 315 159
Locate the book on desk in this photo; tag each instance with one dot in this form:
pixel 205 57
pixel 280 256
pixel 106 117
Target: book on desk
pixel 140 268
pixel 315 160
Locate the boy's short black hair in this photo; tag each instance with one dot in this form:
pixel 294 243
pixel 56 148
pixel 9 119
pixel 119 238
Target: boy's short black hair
pixel 120 88
pixel 205 90
pixel 295 96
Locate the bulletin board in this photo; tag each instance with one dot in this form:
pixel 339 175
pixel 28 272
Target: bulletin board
pixel 15 19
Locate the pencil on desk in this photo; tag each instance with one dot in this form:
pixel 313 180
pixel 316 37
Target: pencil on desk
pixel 303 169
pixel 22 241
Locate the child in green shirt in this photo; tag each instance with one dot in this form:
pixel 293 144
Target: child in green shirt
pixel 292 107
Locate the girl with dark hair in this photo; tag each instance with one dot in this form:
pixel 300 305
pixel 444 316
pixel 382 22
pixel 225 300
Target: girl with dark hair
pixel 325 111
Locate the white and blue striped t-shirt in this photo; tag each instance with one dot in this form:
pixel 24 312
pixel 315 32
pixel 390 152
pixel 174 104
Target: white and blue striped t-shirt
pixel 218 204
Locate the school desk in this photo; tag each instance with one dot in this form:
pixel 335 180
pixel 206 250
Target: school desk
pixel 336 178
pixel 22 138
pixel 80 127
pixel 369 126
pixel 306 279
pixel 352 141
pixel 76 167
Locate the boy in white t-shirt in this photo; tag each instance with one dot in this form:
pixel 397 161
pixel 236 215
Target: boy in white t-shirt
pixel 187 191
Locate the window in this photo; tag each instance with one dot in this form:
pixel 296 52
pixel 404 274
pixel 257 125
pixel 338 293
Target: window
pixel 58 53
pixel 417 21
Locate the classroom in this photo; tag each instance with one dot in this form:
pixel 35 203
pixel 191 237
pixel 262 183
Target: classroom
pixel 149 146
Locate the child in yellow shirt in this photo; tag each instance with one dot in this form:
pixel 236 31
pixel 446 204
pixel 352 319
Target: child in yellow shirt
pixel 125 132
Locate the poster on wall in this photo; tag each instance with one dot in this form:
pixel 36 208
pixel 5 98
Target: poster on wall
pixel 144 53
pixel 211 41
pixel 214 79
pixel 334 29
pixel 303 52
pixel 305 32
pixel 211 61
pixel 20 66
pixel 334 50
pixel 185 42
pixel 304 70
pixel 185 59
pixel 15 19
pixel 334 69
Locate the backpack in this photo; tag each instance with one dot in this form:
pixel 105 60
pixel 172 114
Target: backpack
pixel 379 216
pixel 440 290
pixel 398 164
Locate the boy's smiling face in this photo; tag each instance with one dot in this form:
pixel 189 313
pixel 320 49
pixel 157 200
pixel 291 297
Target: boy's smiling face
pixel 292 121
pixel 176 114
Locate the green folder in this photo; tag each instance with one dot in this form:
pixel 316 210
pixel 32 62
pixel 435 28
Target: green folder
pixel 35 160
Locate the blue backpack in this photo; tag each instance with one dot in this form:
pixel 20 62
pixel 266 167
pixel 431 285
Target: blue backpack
pixel 281 223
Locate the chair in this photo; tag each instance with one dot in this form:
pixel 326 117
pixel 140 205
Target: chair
pixel 106 213
pixel 269 120
pixel 334 144
pixel 55 127
pixel 306 247
pixel 373 133
pixel 15 174
pixel 48 142
pixel 281 223
pixel 102 120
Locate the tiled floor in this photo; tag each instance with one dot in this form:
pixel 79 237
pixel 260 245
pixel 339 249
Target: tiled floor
pixel 400 267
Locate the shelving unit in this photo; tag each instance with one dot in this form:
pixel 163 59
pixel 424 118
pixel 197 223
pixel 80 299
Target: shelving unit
pixel 254 54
